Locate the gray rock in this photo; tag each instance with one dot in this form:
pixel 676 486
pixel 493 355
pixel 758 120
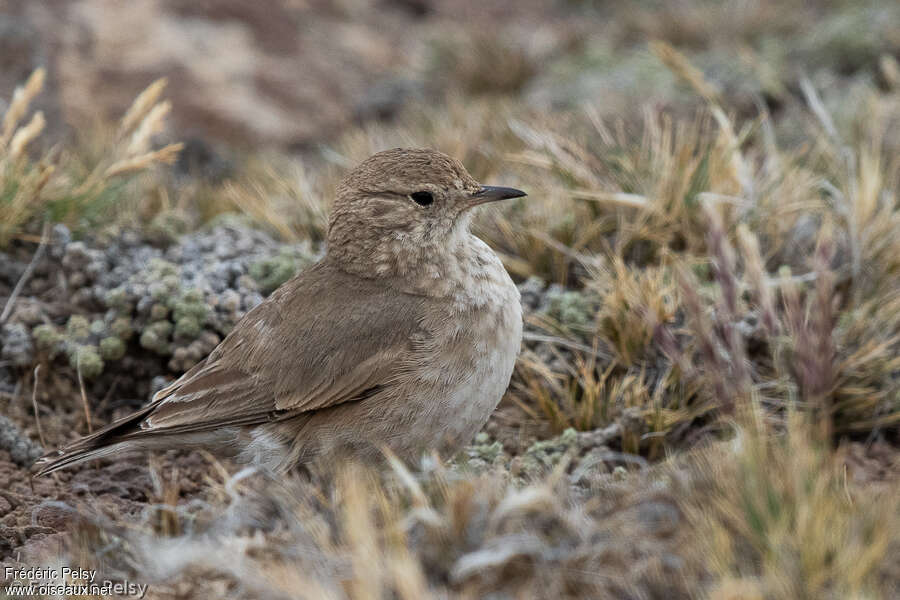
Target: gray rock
pixel 532 291
pixel 22 450
pixel 60 237
pixel 17 347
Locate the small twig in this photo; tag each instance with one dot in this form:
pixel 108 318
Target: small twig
pixel 84 402
pixel 558 341
pixel 818 107
pixel 620 198
pixel 37 416
pixel 7 310
pixel 584 259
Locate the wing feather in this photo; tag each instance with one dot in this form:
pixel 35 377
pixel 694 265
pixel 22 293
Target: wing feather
pixel 322 339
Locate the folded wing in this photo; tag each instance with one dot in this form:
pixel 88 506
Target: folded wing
pixel 324 338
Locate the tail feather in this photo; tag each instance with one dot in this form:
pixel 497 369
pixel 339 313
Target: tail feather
pixel 96 445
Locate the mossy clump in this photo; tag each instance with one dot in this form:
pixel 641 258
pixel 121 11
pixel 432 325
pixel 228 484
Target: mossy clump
pixel 190 304
pixel 88 345
pixel 86 359
pixel 187 328
pixel 189 313
pixel 158 305
pixel 78 328
pixel 48 338
pixel 273 271
pixel 97 327
pixel 572 309
pixel 159 312
pixel 167 226
pixel 482 452
pixel 155 337
pixel 544 455
pixel 117 299
pixel 122 328
pixel 112 348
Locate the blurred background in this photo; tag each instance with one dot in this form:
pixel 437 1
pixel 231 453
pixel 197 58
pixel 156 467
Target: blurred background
pixel 294 74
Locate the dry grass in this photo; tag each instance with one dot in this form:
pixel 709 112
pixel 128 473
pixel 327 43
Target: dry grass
pixel 817 228
pixel 763 516
pixel 782 520
pixel 81 187
pixel 724 283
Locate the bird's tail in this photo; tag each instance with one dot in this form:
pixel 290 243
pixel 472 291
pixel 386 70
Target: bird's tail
pixel 106 441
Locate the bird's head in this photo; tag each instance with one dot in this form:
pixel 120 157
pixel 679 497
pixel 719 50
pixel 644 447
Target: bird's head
pixel 400 205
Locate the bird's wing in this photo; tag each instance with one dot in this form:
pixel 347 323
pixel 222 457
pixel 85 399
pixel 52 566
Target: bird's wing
pixel 324 338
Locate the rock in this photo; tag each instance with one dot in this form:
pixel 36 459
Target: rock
pixel 76 256
pixel 532 292
pixel 17 347
pixel 60 237
pixel 200 159
pixel 385 98
pixel 22 450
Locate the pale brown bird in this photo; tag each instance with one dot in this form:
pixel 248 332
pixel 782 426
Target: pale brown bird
pixel 404 335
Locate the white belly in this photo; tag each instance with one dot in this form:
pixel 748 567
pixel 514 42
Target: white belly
pixel 468 376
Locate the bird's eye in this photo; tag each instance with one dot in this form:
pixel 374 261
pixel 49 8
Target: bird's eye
pixel 422 198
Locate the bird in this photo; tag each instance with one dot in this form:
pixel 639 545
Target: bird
pixel 404 336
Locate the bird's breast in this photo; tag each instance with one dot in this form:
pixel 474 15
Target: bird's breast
pixel 466 359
